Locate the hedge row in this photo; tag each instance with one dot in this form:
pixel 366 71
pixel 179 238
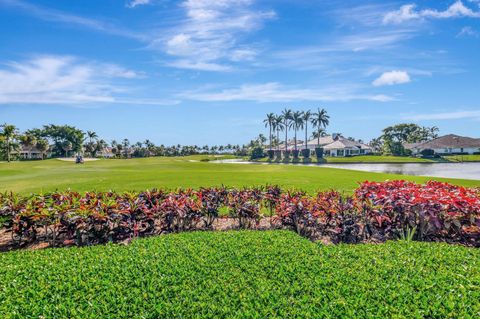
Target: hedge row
pixel 376 212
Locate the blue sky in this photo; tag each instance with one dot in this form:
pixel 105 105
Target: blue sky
pixel 207 71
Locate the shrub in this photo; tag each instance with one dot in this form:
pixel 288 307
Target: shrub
pixel 377 212
pixel 427 152
pixel 256 152
pixel 244 205
pixel 306 153
pixel 319 152
pixel 271 154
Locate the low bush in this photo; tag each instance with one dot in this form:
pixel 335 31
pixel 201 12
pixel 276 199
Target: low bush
pixel 376 212
pixel 241 274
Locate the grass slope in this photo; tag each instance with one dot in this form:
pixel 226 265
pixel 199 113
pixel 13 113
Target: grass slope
pixel 243 274
pixel 140 174
pixel 463 158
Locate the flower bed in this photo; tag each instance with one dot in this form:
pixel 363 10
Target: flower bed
pixel 376 212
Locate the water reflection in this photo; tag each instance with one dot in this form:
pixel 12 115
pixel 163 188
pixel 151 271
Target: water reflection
pixel 446 170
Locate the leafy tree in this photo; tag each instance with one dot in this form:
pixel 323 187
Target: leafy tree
pixel 320 120
pixel 9 134
pixel 394 137
pixel 42 146
pixel 67 146
pixel 28 140
pixel 61 135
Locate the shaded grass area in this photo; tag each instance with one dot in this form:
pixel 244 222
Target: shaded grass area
pixel 174 172
pixel 243 274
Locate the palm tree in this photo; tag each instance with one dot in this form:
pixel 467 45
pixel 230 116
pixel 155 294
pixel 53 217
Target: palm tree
pixel 306 118
pixel 9 133
pixel 278 127
pixel 269 121
pixel 67 146
pixel 91 135
pixel 297 123
pixel 125 145
pixel 320 120
pixel 42 146
pixel 287 123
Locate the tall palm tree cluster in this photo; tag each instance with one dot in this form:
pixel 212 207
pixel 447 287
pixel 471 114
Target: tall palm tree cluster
pixel 295 121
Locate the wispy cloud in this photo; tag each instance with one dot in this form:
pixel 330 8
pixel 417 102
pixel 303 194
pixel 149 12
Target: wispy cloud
pixel 391 78
pixel 457 115
pixel 208 38
pixel 65 80
pixel 276 92
pixel 134 3
pixel 468 32
pixel 48 14
pixel 409 12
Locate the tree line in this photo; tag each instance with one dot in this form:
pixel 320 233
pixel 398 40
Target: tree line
pixel 66 140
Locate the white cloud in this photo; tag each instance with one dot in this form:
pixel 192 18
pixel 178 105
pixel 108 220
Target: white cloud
pixel 208 39
pixel 408 12
pixel 67 18
pixel 275 92
pixel 64 80
pixel 134 3
pixel 391 78
pixel 457 115
pixel 468 32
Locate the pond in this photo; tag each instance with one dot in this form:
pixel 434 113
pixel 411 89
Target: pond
pixel 446 170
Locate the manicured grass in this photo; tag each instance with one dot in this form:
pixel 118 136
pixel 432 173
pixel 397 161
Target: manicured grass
pixel 247 274
pixel 463 158
pixel 141 174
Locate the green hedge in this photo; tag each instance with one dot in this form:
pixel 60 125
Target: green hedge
pixel 243 274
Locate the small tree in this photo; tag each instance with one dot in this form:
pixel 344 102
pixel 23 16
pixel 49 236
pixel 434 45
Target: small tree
pixel 9 133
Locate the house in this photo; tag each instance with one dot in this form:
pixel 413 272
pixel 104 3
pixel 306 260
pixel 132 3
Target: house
pixel 334 145
pixel 29 152
pixel 106 153
pixel 345 147
pixel 448 144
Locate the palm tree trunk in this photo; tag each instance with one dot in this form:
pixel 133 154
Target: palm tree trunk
pixel 286 135
pixel 278 139
pixel 8 150
pixel 270 136
pixel 295 138
pixel 306 135
pixel 318 137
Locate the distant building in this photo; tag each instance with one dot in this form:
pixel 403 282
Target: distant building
pixel 448 144
pixel 333 145
pixel 106 153
pixel 29 152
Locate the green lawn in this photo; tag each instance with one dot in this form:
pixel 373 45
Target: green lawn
pixel 243 274
pixel 463 158
pixel 140 174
